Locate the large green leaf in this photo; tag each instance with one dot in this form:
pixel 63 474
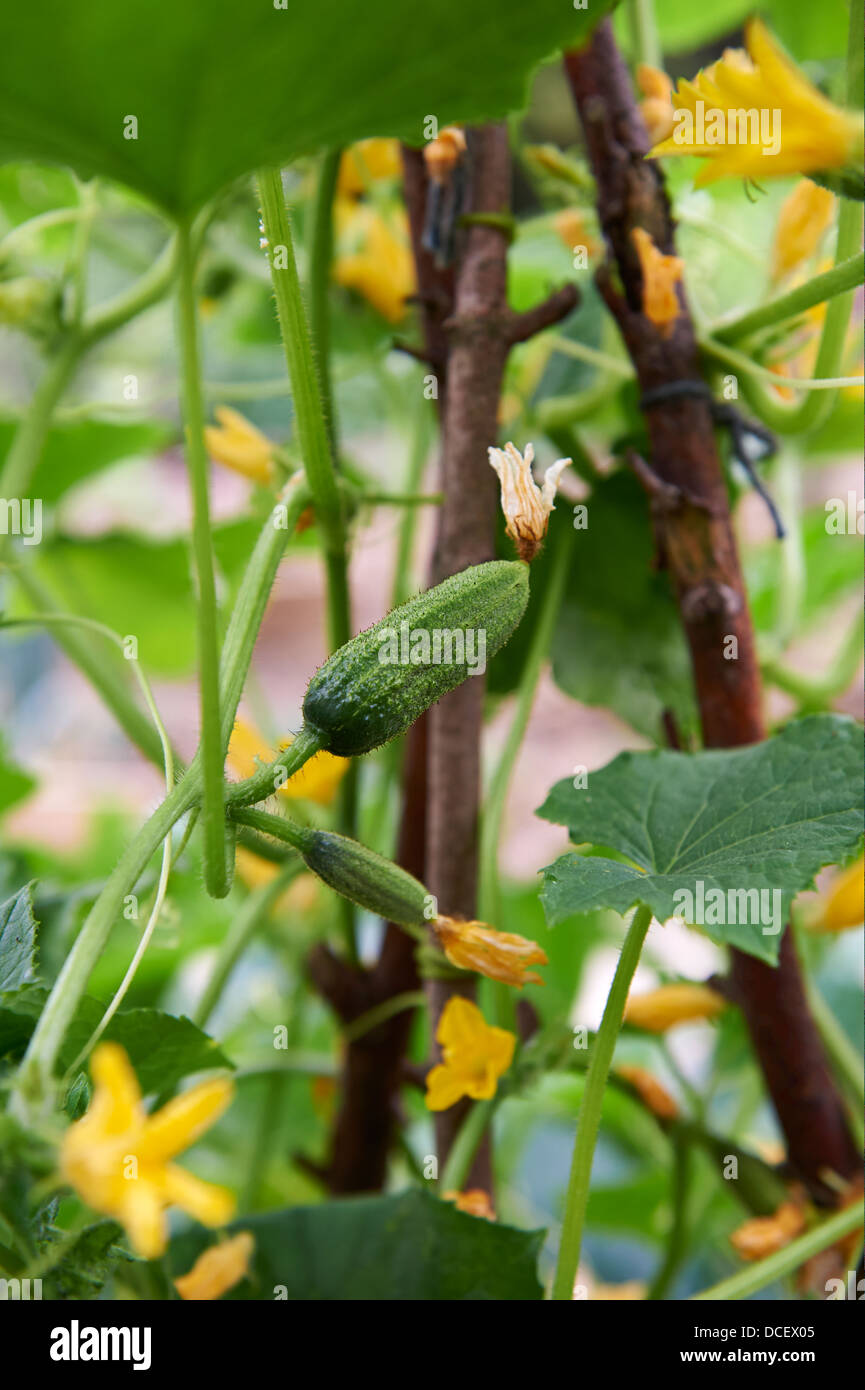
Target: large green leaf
pixel 75 450
pixel 619 641
pixel 762 818
pixel 222 88
pixel 162 1049
pixel 137 587
pixel 404 1248
pixel 17 940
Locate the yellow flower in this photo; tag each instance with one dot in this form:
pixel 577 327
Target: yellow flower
pixel 500 955
pixel 755 115
pixel 374 257
pixel 526 506
pixel 844 904
pixel 763 1235
pixel 670 1005
pixel 317 780
pixel 217 1270
pixel 442 155
pixel 366 162
pixel 475 1056
pixel 571 227
pixel 651 1092
pixel 661 275
pixel 656 107
pixel 240 446
pixel 116 1156
pixel 805 215
pixel 474 1202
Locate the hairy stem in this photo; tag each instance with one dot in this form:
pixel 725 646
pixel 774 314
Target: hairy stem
pixel 217 876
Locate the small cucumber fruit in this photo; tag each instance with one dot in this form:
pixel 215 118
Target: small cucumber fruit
pixel 375 687
pixel 366 878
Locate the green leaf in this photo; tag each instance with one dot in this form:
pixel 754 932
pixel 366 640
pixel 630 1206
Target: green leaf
pixel 136 587
pixel 762 818
pixel 618 641
pixel 17 940
pixel 87 1264
pixel 14 784
pixel 221 89
pixel 80 448
pixel 162 1049
pixel 409 1247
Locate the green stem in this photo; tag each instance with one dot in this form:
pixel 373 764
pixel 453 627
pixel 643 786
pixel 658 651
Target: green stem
pixel 252 598
pixel 846 275
pixel 590 1109
pixel 309 413
pixel 152 286
pixel 464 1147
pixel 677 1239
pixel 644 33
pixel 244 927
pixel 321 255
pixel 764 1272
pixel 31 434
pixel 397 1004
pixel 34 1082
pixel 217 877
pixel 102 675
pixel 818 693
pixel 605 361
pixel 38 1064
pixel 318 458
pixel 846 1058
pixel 269 779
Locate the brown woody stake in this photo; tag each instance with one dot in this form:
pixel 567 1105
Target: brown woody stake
pixel 373 1063
pixel 691 518
pixel 468 346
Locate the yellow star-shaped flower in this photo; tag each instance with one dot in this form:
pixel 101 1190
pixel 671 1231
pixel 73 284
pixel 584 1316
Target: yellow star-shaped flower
pixel 806 132
pixel 236 443
pixel 117 1156
pixel 475 1056
pixel 374 257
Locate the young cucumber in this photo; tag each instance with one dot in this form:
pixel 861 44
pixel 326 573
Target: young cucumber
pixel 366 878
pixel 376 686
pixel 349 868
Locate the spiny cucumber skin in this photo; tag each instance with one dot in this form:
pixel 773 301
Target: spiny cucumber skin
pixel 355 702
pixel 366 878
